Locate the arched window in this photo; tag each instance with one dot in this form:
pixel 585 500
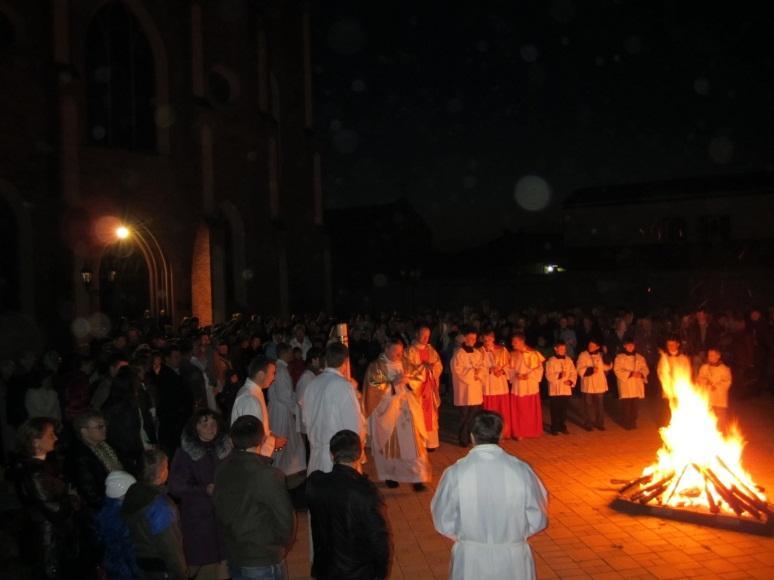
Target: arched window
pixel 120 88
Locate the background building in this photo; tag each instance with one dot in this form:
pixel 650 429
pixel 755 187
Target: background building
pixel 191 124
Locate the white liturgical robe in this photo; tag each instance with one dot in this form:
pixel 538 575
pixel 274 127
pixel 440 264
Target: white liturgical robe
pixel 717 380
pixel 489 522
pixel 301 385
pixel 670 368
pixel 529 364
pixel 330 405
pixel 626 365
pixel 595 382
pixel 558 372
pixel 467 371
pixel 250 401
pixel 282 409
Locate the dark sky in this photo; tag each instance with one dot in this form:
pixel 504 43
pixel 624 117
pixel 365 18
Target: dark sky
pixel 453 104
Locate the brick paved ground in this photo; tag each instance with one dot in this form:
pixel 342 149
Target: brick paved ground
pixel 585 537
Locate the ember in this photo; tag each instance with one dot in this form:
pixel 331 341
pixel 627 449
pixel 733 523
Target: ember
pixel 698 471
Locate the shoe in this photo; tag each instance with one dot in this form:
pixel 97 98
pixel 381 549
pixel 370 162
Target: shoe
pixel 554 432
pixel 432 449
pixel 587 428
pixel 601 427
pixel 564 431
pixel 419 487
pixel 391 484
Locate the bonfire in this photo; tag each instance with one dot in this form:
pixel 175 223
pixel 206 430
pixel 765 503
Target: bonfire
pixel 698 471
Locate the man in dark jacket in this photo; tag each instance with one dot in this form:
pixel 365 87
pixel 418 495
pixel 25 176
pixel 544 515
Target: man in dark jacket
pixel 253 507
pixel 174 401
pixel 153 520
pixel 349 531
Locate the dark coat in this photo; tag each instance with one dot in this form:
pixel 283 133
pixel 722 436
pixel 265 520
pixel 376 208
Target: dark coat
pixel 254 510
pixel 123 432
pixel 193 469
pixel 49 535
pixel 174 405
pixel 87 473
pixel 153 521
pixel 349 529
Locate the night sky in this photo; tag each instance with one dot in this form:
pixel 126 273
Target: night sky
pixel 451 104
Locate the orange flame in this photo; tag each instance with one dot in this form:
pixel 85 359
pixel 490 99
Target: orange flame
pixel 694 451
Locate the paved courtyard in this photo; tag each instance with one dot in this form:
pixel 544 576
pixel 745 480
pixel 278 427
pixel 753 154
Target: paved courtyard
pixel 586 538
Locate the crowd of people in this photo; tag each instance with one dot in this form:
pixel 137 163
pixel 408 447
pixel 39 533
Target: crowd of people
pixel 178 453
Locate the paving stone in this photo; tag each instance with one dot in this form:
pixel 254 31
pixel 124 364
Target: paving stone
pixel 585 537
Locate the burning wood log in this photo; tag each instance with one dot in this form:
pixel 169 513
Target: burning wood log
pixel 723 491
pixel 632 483
pixel 677 484
pixel 744 490
pixel 647 491
pixel 746 504
pixel 713 506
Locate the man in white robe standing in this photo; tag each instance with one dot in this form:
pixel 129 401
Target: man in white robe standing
pixel 467 373
pixel 250 401
pixel 490 524
pixel 283 407
pixel 395 419
pixel 330 405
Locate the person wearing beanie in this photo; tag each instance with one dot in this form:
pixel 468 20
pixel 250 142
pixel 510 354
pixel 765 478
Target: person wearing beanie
pixel 118 559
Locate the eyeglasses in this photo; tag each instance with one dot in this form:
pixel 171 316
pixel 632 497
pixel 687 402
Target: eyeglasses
pixel 98 426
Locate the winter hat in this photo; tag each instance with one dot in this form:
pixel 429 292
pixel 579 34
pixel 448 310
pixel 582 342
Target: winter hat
pixel 117 483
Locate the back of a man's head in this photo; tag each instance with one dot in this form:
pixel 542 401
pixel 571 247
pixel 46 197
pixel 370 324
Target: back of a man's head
pixel 346 447
pixel 257 365
pixel 155 466
pixel 335 355
pixel 246 432
pixel 487 426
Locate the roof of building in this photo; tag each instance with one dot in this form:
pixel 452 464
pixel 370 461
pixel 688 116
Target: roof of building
pixel 678 189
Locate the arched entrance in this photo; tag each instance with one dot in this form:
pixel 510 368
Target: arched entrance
pixel 124 282
pixel 133 274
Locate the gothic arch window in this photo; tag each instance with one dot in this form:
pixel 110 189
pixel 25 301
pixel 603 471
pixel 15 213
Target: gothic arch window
pixel 120 86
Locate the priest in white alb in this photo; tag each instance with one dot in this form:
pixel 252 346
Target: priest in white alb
pixel 396 423
pixel 283 407
pixel 330 405
pixel 490 503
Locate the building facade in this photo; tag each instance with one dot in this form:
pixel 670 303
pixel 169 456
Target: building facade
pixel 188 123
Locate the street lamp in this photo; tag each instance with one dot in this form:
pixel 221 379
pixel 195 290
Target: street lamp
pixel 122 232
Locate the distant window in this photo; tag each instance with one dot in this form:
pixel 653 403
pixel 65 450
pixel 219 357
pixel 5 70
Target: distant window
pixel 714 228
pixel 7 32
pixel 120 87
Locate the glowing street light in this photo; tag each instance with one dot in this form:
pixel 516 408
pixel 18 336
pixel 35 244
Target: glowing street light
pixel 122 232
